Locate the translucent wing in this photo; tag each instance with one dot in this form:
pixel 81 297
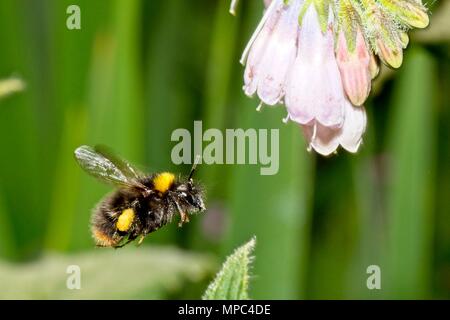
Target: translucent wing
pixel 127 169
pixel 104 165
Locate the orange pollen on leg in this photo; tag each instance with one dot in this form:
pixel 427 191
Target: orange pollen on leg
pixel 103 239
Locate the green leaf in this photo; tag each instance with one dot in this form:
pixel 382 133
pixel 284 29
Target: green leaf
pixel 231 283
pixel 129 273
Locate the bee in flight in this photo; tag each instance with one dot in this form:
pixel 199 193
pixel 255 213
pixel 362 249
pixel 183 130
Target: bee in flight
pixel 141 203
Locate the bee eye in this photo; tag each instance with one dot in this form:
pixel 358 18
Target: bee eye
pixel 190 199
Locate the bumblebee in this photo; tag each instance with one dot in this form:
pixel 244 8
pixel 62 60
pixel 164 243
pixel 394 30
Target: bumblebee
pixel 142 203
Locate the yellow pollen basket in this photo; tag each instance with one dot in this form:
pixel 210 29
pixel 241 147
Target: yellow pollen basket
pixel 163 181
pixel 125 220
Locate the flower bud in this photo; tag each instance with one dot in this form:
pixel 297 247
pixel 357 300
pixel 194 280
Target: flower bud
pixel 409 12
pixel 404 38
pixel 391 55
pixel 374 66
pixel 354 68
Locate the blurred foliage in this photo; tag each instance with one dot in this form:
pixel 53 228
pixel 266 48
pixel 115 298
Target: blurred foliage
pixel 232 282
pixel 151 273
pixel 439 31
pixel 10 86
pixel 137 70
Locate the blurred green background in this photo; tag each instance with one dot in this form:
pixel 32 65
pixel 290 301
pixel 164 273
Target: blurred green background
pixel 137 70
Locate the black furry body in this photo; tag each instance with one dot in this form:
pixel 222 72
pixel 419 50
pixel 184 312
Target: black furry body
pixel 152 211
pixel 141 203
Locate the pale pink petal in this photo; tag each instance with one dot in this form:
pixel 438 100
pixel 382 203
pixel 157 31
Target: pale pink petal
pixel 353 128
pixel 267 3
pixel 300 92
pixel 330 106
pixel 323 140
pixel 301 87
pixel 314 89
pixel 256 52
pixel 331 99
pixel 279 56
pixel 253 62
pixel 269 18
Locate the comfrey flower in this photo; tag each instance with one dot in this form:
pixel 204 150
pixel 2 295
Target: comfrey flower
pixel 318 58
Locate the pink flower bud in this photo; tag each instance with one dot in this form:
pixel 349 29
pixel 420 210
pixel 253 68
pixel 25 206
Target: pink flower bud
pixel 374 66
pixel 354 68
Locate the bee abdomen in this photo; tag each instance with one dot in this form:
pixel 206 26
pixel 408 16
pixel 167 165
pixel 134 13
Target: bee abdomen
pixel 104 221
pixel 102 238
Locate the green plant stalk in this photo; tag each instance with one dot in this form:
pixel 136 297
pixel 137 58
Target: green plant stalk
pixel 22 135
pixel 278 215
pixel 71 105
pixel 410 198
pixel 368 234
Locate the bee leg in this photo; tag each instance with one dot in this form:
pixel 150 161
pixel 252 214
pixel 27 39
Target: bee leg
pixel 123 245
pixel 184 215
pixel 184 218
pixel 141 240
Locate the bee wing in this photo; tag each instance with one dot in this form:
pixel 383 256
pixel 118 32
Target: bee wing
pixel 125 167
pixel 107 167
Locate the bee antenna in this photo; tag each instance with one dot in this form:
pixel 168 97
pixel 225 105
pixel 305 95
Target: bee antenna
pixel 194 166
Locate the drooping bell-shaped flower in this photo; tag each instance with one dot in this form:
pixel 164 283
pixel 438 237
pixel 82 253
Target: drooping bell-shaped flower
pixel 314 90
pixel 272 53
pixel 325 140
pixel 318 58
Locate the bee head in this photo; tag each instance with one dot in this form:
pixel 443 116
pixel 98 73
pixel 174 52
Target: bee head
pixel 191 195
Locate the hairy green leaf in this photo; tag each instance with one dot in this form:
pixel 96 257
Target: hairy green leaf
pixel 231 283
